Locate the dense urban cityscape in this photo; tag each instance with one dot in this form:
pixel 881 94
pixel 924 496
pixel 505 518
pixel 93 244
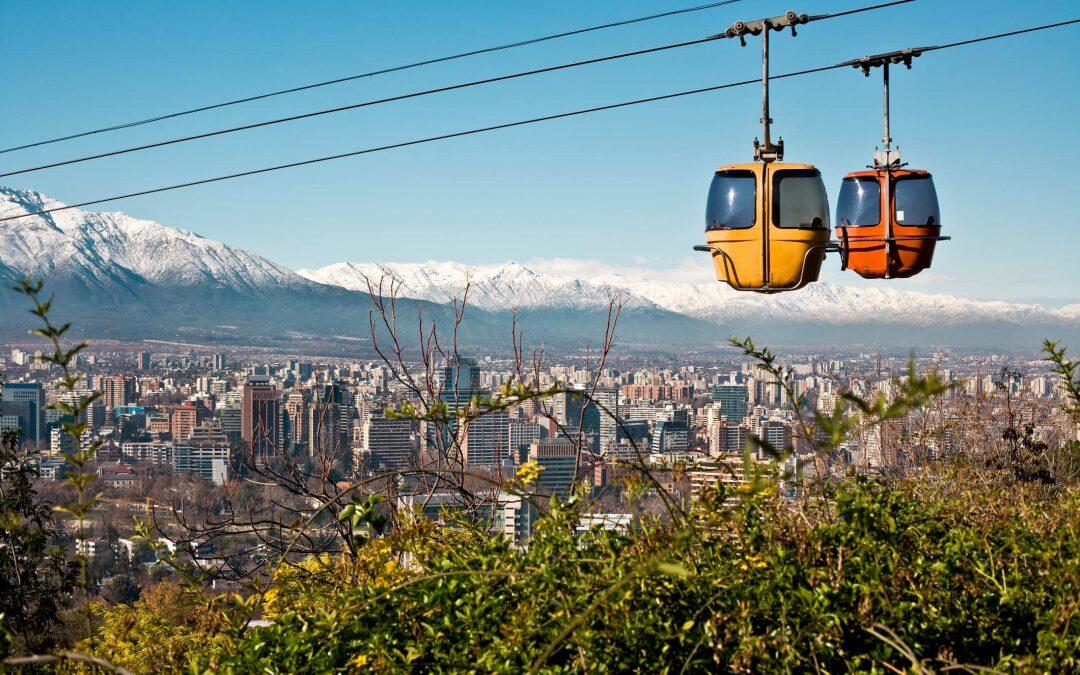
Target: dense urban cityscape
pixel 211 419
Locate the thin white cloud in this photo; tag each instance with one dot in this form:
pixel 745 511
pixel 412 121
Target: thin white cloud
pixel 689 270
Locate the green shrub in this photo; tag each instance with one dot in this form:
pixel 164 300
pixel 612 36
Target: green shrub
pixel 968 574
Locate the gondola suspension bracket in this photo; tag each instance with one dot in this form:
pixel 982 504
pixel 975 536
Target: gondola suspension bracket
pixel 766 151
pixel 888 159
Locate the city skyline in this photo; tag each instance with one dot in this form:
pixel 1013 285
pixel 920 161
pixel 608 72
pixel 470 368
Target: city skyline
pixel 221 414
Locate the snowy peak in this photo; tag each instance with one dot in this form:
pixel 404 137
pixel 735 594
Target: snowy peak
pixel 124 259
pixel 492 287
pixel 512 285
pixel 98 248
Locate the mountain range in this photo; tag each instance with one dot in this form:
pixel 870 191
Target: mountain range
pixel 118 276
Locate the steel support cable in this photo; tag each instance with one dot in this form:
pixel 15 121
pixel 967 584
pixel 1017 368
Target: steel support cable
pixel 373 73
pixel 355 106
pixel 998 36
pixel 857 10
pixel 410 95
pixel 507 125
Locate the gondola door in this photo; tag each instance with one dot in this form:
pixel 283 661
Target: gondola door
pixel 797 231
pixel 734 225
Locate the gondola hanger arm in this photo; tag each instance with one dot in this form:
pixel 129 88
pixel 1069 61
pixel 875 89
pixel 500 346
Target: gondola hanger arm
pixel 904 56
pixel 741 29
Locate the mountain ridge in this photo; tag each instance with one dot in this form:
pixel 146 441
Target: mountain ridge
pixel 491 288
pixel 120 276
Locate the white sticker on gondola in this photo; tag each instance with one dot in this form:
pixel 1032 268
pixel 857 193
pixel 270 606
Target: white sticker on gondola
pixel 899 215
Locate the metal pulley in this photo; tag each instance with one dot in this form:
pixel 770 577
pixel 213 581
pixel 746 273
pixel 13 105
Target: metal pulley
pixel 741 29
pixel 766 151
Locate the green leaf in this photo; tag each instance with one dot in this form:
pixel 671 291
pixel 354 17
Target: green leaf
pixel 672 569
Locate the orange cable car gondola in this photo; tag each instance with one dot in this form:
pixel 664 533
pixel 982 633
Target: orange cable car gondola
pixel 767 222
pixel 887 216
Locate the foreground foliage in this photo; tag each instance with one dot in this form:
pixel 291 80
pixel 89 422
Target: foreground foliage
pixel 972 565
pixel 34 572
pixel 857 577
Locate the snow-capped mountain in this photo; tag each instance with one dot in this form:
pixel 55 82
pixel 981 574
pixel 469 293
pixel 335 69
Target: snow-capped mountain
pixel 491 287
pixel 115 275
pixel 113 248
pixel 118 276
pixel 512 285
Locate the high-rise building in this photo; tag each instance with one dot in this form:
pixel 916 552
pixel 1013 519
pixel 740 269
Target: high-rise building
pixel 672 435
pixel 734 401
pixel 219 387
pixel 260 418
pixel 14 416
pixel 558 458
pixel 635 434
pixel 669 437
pixel 158 424
pixel 33 395
pixel 296 419
pixel 117 390
pixel 207 453
pixel 726 438
pixel 572 412
pixel 486 440
pixel 301 370
pixel 608 418
pixel 94 412
pixel 385 444
pixel 60 442
pixel 230 415
pixel 710 476
pixel 218 362
pixel 567 407
pixel 460 382
pixel 329 421
pixel 514 517
pixel 142 361
pixel 521 434
pixel 461 375
pixel 777 434
pixel 94 415
pixel 182 421
pixel 147 452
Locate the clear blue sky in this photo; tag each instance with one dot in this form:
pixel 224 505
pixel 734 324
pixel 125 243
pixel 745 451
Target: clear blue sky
pixel 996 123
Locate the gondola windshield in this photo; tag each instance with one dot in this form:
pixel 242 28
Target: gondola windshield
pixel 916 201
pixel 801 201
pixel 732 201
pixel 859 203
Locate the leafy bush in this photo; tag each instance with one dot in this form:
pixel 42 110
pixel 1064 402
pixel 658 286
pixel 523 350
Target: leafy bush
pixel 34 570
pixel 163 630
pixel 864 575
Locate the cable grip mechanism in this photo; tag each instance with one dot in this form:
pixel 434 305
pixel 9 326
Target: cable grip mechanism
pixel 741 29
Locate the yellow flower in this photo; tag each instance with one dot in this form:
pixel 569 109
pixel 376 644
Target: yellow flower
pixel 358 661
pixel 528 472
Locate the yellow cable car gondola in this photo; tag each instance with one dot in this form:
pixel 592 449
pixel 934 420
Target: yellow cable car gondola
pixel 767 223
